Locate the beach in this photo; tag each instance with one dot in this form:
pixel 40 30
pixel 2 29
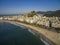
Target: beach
pixel 52 36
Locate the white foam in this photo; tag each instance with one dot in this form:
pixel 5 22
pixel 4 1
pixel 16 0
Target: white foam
pixel 18 25
pixel 31 31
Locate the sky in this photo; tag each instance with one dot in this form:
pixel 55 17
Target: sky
pixel 23 6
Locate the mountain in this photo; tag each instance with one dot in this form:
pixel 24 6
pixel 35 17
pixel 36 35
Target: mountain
pixel 54 13
pixel 50 13
pixel 42 12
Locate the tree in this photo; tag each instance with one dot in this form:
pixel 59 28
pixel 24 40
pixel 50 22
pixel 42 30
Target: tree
pixel 31 14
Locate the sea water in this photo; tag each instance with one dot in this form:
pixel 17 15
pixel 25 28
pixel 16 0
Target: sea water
pixel 15 35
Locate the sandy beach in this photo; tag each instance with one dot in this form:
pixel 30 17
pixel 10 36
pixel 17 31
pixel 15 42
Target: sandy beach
pixel 53 36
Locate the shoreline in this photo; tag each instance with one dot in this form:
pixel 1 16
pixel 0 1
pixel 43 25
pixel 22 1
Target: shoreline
pixel 41 37
pixel 49 35
pixel 32 32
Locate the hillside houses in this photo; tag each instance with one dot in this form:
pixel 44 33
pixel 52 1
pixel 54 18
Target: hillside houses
pixel 36 19
pixel 40 20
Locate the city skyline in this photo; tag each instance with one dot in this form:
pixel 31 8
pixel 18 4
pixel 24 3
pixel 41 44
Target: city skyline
pixel 22 6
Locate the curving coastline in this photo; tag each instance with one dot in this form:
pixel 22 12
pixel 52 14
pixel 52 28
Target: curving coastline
pixel 48 36
pixel 41 37
pixel 52 37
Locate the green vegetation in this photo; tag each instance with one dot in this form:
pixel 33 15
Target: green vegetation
pixel 31 14
pixel 58 30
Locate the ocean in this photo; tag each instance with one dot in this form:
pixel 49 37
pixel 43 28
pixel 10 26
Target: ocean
pixel 17 35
